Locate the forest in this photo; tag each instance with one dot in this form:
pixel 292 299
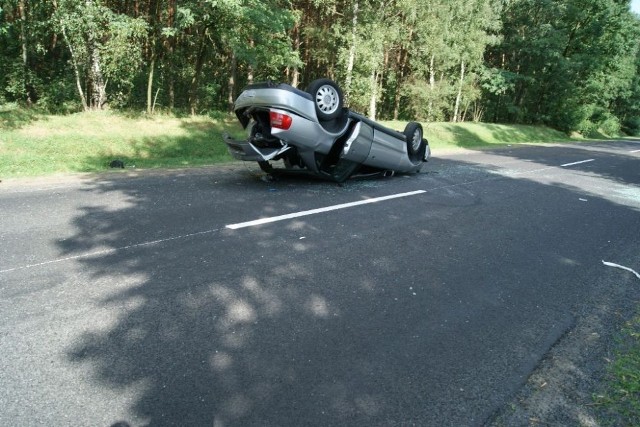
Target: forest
pixel 568 64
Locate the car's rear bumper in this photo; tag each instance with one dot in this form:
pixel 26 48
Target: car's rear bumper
pixel 244 150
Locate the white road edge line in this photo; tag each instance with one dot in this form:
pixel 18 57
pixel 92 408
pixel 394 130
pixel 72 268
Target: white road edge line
pixel 577 163
pixel 268 220
pixel 107 251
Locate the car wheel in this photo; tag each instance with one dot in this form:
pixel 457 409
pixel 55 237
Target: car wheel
pixel 327 98
pixel 265 166
pixel 415 140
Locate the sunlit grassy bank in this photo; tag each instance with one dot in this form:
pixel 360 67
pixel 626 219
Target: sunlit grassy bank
pixel 476 135
pixel 33 144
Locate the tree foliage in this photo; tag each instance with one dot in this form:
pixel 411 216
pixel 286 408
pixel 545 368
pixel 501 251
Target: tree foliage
pixel 563 63
pixel 571 64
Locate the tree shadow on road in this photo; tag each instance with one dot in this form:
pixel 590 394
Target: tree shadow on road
pixel 318 322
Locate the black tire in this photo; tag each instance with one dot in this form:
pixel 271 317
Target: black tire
pixel 266 167
pixel 415 140
pixel 327 98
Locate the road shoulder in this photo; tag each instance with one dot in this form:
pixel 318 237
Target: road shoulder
pixel 561 390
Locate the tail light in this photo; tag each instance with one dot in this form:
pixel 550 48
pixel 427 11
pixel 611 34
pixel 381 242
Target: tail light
pixel 279 120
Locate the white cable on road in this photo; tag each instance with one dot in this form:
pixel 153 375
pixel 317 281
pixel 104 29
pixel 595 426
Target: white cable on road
pixel 610 264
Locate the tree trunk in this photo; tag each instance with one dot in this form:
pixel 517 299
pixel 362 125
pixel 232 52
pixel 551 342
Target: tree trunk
pixel 172 92
pixel 432 86
pixel 74 62
pixel 195 80
pixel 402 66
pixel 352 52
pixel 250 66
pixel 250 74
pixel 98 84
pixel 76 71
pixel 295 73
pixel 396 95
pixel 23 34
pixel 25 51
pixel 171 47
pixel 373 87
pixel 306 56
pixel 150 84
pixel 456 109
pixel 232 82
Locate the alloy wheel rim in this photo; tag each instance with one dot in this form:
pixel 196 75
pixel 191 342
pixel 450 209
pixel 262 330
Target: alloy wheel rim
pixel 416 140
pixel 327 99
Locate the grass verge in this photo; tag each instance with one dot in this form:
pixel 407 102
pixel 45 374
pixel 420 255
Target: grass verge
pixel 478 135
pixel 33 144
pixel 621 399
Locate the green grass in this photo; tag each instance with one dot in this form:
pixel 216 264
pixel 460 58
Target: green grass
pixel 33 145
pixel 479 135
pixel 621 401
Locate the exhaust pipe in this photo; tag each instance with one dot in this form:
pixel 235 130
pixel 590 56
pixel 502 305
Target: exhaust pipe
pixel 388 173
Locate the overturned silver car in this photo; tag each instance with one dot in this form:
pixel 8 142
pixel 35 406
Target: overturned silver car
pixel 312 133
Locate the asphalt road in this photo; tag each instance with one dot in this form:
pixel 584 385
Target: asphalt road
pixel 128 300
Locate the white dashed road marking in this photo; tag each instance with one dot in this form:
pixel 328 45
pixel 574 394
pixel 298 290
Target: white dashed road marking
pixel 277 218
pixel 577 163
pixel 320 210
